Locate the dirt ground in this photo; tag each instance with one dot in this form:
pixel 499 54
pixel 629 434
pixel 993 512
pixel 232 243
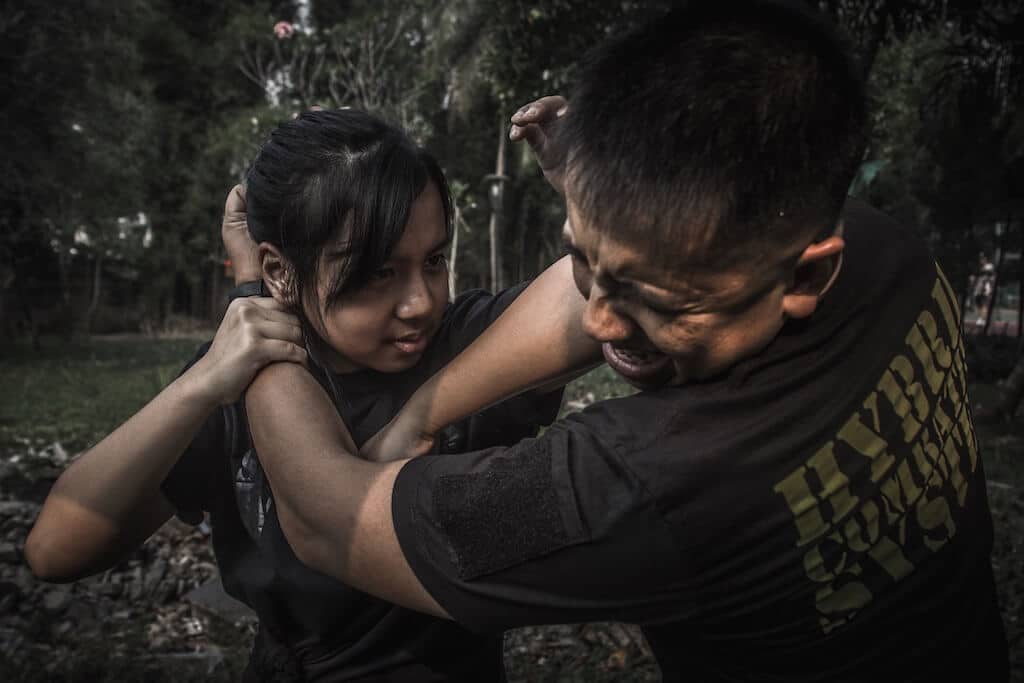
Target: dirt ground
pixel 138 621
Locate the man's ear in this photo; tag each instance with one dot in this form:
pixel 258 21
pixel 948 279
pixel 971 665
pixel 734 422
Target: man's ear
pixel 278 274
pixel 813 275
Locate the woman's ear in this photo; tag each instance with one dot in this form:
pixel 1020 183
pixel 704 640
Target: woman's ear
pixel 814 274
pixel 278 274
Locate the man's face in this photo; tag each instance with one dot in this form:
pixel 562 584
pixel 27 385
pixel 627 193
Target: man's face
pixel 667 326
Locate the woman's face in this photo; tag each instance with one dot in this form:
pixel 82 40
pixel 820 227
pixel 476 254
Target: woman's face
pixel 386 323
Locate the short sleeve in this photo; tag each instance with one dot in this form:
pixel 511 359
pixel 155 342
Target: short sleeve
pixel 190 483
pixel 511 420
pixel 473 311
pixel 553 530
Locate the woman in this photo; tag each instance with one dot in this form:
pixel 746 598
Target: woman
pixel 352 221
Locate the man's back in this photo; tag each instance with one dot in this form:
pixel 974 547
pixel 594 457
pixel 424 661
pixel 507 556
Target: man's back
pixel 816 513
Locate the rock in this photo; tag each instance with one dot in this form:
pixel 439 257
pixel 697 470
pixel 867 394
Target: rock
pixel 195 664
pixel 8 601
pixel 57 599
pixel 211 597
pixel 19 508
pixel 80 612
pixel 9 553
pixel 24 580
pixel 154 575
pixel 110 590
pixel 58 456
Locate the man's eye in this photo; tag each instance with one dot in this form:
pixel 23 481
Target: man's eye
pixel 667 312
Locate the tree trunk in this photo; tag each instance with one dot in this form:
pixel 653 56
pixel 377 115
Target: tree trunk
pixel 94 301
pixel 63 266
pixel 453 274
pixel 1012 391
pixel 1020 298
pixel 216 309
pixel 497 191
pixel 1000 257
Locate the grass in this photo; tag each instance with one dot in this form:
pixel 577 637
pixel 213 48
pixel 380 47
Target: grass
pixel 76 392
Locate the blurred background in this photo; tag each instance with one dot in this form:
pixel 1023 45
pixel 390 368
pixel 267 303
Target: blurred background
pixel 123 123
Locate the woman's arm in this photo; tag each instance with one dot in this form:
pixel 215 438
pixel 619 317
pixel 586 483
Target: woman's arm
pixel 109 500
pixel 538 342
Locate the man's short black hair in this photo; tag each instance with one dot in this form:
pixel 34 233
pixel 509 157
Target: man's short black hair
pixel 731 129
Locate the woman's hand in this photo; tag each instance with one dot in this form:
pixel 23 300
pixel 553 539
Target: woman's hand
pixel 403 437
pixel 255 332
pixel 538 123
pixel 234 231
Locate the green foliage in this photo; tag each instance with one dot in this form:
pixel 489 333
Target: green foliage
pixel 156 106
pixel 77 393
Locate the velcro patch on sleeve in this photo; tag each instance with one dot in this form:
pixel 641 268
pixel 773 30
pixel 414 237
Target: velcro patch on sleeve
pixel 498 518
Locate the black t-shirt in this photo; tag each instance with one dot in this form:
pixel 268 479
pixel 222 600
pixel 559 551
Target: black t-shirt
pixel 335 632
pixel 818 513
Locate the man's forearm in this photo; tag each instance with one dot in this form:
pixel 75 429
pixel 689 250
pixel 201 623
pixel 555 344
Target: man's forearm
pixel 538 342
pixel 334 508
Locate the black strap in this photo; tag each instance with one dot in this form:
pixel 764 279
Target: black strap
pixel 251 288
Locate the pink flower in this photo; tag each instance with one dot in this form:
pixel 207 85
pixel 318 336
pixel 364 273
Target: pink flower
pixel 283 30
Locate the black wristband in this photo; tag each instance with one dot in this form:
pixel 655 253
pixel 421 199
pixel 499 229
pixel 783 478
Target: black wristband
pixel 251 288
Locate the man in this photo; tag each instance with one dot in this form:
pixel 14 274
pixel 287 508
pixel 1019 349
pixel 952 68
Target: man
pixel 796 494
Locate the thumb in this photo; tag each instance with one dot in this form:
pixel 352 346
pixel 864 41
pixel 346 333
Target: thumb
pixel 234 205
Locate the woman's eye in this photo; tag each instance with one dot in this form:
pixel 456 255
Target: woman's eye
pixel 382 273
pixel 437 261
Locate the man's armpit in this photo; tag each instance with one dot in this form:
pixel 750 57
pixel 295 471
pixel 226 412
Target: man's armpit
pixel 505 515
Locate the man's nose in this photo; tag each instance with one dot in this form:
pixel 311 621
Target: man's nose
pixel 601 321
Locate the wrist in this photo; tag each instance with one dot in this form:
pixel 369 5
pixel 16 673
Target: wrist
pixel 196 387
pixel 248 287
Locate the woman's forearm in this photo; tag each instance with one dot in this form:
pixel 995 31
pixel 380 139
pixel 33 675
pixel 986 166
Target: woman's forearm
pixel 109 499
pixel 538 342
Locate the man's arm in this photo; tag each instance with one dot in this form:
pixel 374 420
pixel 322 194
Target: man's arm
pixel 334 508
pixel 538 342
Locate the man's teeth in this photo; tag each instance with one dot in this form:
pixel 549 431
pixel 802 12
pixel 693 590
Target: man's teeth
pixel 635 356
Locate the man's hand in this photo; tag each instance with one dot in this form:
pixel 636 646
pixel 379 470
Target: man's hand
pixel 255 332
pixel 538 123
pixel 234 231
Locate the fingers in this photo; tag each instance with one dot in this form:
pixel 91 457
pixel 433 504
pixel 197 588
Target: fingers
pixel 533 134
pixel 259 308
pixel 265 302
pixel 234 205
pixel 535 123
pixel 272 330
pixel 280 351
pixel 236 199
pixel 541 111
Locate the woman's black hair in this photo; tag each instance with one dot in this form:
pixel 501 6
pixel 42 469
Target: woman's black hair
pixel 342 176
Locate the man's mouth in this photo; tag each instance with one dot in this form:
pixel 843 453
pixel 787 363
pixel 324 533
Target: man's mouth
pixel 414 342
pixel 642 368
